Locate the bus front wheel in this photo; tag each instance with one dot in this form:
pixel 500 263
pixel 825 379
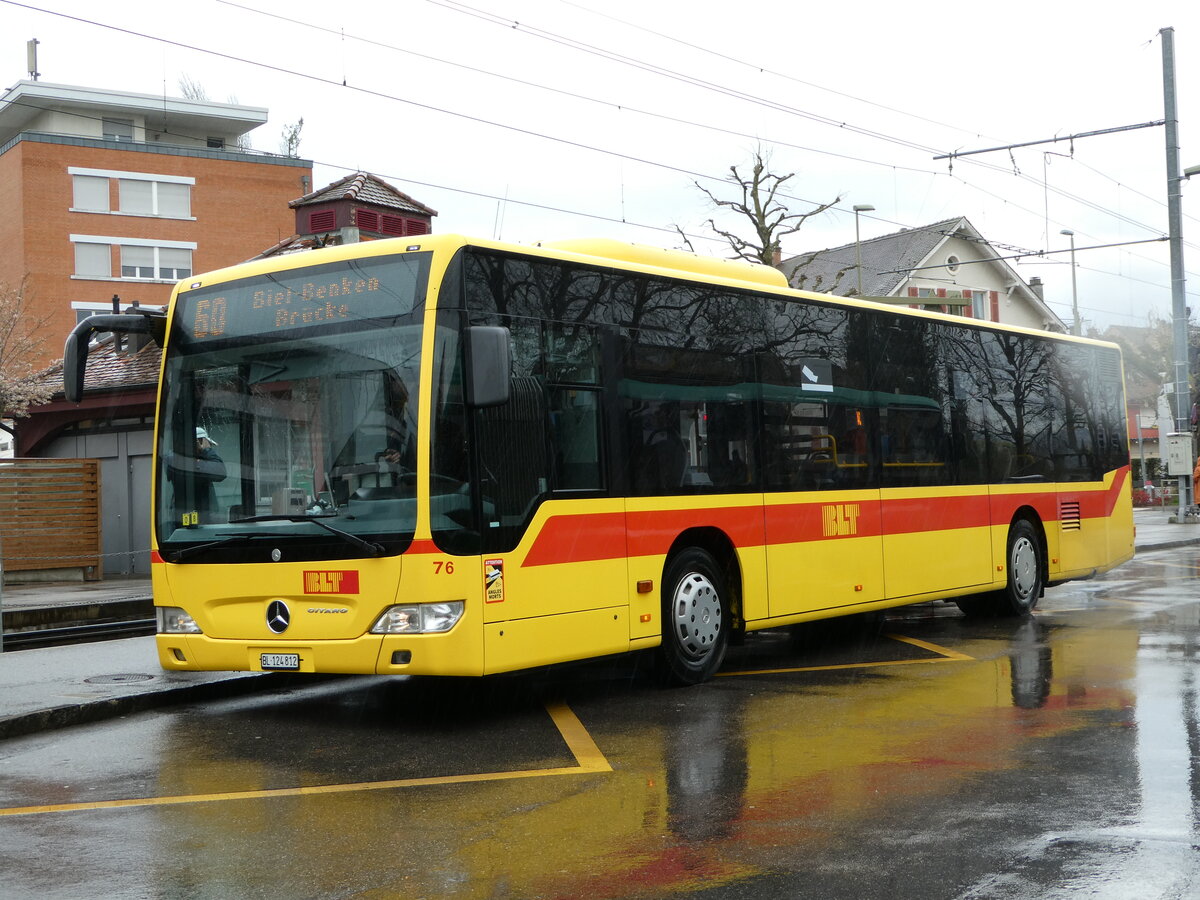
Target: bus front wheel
pixel 696 618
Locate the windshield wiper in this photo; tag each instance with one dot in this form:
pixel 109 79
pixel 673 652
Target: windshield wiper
pixel 183 553
pixel 366 546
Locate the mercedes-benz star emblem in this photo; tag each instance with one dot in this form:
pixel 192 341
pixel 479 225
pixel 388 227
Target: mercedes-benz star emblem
pixel 278 616
pixel 276 555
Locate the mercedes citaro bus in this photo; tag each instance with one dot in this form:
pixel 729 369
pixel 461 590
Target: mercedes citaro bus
pixel 459 457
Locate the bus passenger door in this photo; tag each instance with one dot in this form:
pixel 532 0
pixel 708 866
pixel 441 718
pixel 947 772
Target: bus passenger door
pixel 823 531
pixel 936 535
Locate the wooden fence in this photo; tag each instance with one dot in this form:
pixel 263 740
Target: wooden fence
pixel 50 517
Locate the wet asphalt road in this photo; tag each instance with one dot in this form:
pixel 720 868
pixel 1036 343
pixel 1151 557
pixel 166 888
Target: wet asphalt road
pixel 927 756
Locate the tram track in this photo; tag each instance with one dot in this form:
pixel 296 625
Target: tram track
pixel 29 639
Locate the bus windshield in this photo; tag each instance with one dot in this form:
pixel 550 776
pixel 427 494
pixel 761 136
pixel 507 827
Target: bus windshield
pixel 289 417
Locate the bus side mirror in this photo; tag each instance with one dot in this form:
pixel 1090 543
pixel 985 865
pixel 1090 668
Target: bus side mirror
pixel 489 366
pixel 75 352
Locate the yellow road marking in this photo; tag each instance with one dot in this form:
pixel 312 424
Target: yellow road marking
pixel 587 754
pixel 945 655
pixel 580 742
pixel 932 648
pixel 1187 567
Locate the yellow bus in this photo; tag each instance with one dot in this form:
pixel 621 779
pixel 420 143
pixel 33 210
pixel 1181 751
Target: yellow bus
pixel 460 457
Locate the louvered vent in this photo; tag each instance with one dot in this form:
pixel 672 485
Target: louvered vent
pixel 323 220
pixel 1069 516
pixel 391 225
pixel 1109 364
pixel 416 226
pixel 367 219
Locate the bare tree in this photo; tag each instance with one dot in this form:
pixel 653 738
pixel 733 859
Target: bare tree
pixel 21 341
pixel 194 90
pixel 769 220
pixel 290 143
pixel 191 88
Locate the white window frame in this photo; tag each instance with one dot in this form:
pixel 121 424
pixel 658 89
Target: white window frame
pixel 979 304
pixel 156 245
pixel 154 179
pixel 84 308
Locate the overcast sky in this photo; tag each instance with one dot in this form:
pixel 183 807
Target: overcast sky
pixel 544 119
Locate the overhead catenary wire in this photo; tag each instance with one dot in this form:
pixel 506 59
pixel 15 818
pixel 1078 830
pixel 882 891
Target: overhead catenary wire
pixel 461 7
pixel 532 132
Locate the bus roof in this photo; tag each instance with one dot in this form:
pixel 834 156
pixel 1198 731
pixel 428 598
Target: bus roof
pixel 607 251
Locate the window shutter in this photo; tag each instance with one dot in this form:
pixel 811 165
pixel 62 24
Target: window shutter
pixel 367 219
pixel 91 193
pixel 94 260
pixel 137 262
pixel 137 196
pixel 322 220
pixel 174 199
pixel 391 225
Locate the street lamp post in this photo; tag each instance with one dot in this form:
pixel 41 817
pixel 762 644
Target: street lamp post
pixel 1075 329
pixel 859 208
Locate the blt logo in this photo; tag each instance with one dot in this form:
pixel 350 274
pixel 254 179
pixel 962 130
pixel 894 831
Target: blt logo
pixel 330 582
pixel 839 520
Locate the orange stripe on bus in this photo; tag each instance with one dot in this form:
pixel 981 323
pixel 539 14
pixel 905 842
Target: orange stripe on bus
pixel 582 538
pixel 594 536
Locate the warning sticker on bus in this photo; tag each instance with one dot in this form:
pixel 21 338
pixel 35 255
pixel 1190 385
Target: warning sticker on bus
pixel 493 580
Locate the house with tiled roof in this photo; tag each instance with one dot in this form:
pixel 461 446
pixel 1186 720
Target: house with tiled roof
pixel 947 266
pixel 359 207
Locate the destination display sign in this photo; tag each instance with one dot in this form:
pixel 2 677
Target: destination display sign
pixel 343 292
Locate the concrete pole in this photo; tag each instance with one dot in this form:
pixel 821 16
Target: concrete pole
pixel 1182 388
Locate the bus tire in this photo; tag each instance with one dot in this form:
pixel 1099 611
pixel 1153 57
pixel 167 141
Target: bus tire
pixel 696 618
pixel 1024 565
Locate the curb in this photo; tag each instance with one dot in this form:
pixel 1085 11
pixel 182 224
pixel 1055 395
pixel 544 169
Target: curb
pixel 1168 545
pixel 98 710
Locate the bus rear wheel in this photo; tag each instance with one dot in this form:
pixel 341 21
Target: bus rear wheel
pixel 1025 582
pixel 696 618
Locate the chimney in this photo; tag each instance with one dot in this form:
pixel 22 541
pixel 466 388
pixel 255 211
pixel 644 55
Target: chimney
pixel 116 305
pixel 1035 285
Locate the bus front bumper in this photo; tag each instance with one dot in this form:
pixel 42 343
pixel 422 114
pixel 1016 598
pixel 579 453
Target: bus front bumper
pixel 456 652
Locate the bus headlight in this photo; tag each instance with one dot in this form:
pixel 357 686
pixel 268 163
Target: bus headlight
pixel 173 620
pixel 420 618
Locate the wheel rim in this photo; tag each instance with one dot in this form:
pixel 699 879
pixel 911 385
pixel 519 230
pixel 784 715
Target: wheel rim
pixel 696 615
pixel 1024 568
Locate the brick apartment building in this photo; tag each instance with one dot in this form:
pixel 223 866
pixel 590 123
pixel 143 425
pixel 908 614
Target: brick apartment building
pixel 107 193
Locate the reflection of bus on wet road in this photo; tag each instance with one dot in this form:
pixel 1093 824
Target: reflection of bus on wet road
pixel 462 457
pixel 754 779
